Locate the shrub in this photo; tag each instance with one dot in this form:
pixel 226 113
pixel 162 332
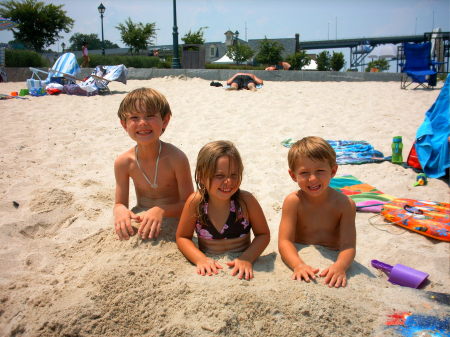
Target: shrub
pixel 298 60
pixel 323 61
pixel 380 64
pixel 337 61
pixel 233 66
pixel 24 58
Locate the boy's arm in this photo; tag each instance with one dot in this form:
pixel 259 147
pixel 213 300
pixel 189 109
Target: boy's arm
pixel 230 80
pixel 122 215
pixel 286 239
pixel 336 273
pixel 184 235
pixel 243 264
pixel 257 79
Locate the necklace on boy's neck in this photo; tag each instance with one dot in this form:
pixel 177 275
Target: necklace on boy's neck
pixel 154 185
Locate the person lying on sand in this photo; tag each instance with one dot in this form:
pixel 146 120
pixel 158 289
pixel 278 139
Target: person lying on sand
pixel 160 171
pixel 244 81
pixel 316 214
pixel 221 214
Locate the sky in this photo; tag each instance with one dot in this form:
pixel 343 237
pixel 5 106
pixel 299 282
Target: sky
pixel 256 19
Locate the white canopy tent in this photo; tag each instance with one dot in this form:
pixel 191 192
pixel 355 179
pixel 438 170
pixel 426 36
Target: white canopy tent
pixel 224 60
pixel 312 66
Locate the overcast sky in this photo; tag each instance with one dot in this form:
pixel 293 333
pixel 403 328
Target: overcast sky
pixel 254 19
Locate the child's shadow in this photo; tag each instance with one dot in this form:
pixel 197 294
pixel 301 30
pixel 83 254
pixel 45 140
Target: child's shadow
pixel 356 268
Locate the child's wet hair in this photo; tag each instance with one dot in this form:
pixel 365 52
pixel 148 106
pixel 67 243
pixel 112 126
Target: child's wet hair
pixel 312 147
pixel 206 168
pixel 146 100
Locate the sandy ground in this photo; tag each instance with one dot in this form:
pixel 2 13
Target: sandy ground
pixel 63 272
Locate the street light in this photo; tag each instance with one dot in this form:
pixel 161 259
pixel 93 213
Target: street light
pixel 101 10
pixel 63 45
pixel 236 36
pixel 175 59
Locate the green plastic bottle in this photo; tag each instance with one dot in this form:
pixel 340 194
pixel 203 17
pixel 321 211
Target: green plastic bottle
pixel 397 150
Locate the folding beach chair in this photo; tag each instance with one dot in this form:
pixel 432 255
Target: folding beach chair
pixel 66 66
pixel 418 67
pixel 102 76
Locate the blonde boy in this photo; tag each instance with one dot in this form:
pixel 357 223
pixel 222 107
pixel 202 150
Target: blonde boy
pixel 316 214
pixel 160 171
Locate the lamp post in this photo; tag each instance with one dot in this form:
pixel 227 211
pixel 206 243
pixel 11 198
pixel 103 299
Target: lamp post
pixel 236 37
pixel 175 59
pixel 101 10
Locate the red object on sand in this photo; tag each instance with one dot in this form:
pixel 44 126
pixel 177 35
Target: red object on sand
pixel 398 318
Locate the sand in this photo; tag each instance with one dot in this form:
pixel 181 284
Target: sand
pixel 63 272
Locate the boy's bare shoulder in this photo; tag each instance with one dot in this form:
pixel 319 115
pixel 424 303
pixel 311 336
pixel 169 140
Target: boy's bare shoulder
pixel 342 201
pixel 125 158
pixel 174 152
pixel 292 197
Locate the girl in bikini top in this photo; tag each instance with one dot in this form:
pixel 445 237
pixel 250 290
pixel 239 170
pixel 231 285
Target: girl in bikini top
pixel 214 212
pixel 236 225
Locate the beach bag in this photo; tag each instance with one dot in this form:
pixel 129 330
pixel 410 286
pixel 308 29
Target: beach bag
pixel 35 83
pixel 413 160
pixel 430 218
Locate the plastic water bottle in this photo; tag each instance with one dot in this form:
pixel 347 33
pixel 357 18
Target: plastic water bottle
pixel 397 150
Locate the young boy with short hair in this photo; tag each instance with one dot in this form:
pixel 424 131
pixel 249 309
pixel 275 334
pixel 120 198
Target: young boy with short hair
pixel 316 214
pixel 160 171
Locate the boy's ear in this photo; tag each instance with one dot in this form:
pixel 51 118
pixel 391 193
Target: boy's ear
pixel 123 123
pixel 333 171
pixel 166 121
pixel 292 174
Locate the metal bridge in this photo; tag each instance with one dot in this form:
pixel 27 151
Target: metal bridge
pixel 361 47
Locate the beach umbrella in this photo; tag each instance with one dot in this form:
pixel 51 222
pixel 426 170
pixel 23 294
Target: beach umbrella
pixel 7 24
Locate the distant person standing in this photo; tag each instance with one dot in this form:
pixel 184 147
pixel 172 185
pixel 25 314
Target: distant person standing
pixel 85 52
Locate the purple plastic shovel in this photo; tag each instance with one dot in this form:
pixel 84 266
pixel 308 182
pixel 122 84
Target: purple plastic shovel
pixel 401 275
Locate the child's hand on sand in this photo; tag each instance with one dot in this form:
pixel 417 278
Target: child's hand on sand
pixel 122 222
pixel 334 276
pixel 241 268
pixel 151 221
pixel 208 267
pixel 305 272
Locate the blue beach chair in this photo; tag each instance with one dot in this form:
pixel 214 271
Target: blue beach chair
pixel 66 66
pixel 418 67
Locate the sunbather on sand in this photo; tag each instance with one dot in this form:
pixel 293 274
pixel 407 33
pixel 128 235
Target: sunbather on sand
pixel 244 81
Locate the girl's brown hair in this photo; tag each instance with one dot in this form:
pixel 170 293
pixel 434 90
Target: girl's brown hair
pixel 206 168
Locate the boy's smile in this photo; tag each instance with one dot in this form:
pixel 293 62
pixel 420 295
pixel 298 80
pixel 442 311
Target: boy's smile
pixel 312 176
pixel 143 126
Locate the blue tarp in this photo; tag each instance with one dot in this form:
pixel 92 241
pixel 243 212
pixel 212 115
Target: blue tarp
pixel 432 137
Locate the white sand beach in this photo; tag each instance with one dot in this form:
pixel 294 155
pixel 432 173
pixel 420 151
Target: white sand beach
pixel 64 273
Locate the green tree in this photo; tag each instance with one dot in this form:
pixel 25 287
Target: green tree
pixel 39 25
pixel 323 61
pixel 77 39
pixel 195 37
pixel 380 64
pixel 337 61
pixel 137 36
pixel 298 60
pixel 239 53
pixel 269 52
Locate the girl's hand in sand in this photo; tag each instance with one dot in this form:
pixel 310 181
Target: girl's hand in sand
pixel 208 267
pixel 122 222
pixel 334 276
pixel 305 272
pixel 241 268
pixel 151 223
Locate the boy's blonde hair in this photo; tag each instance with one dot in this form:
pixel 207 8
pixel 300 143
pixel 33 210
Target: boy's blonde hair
pixel 144 100
pixel 312 147
pixel 206 168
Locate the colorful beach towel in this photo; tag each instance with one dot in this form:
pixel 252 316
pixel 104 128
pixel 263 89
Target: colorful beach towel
pixel 366 197
pixel 351 151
